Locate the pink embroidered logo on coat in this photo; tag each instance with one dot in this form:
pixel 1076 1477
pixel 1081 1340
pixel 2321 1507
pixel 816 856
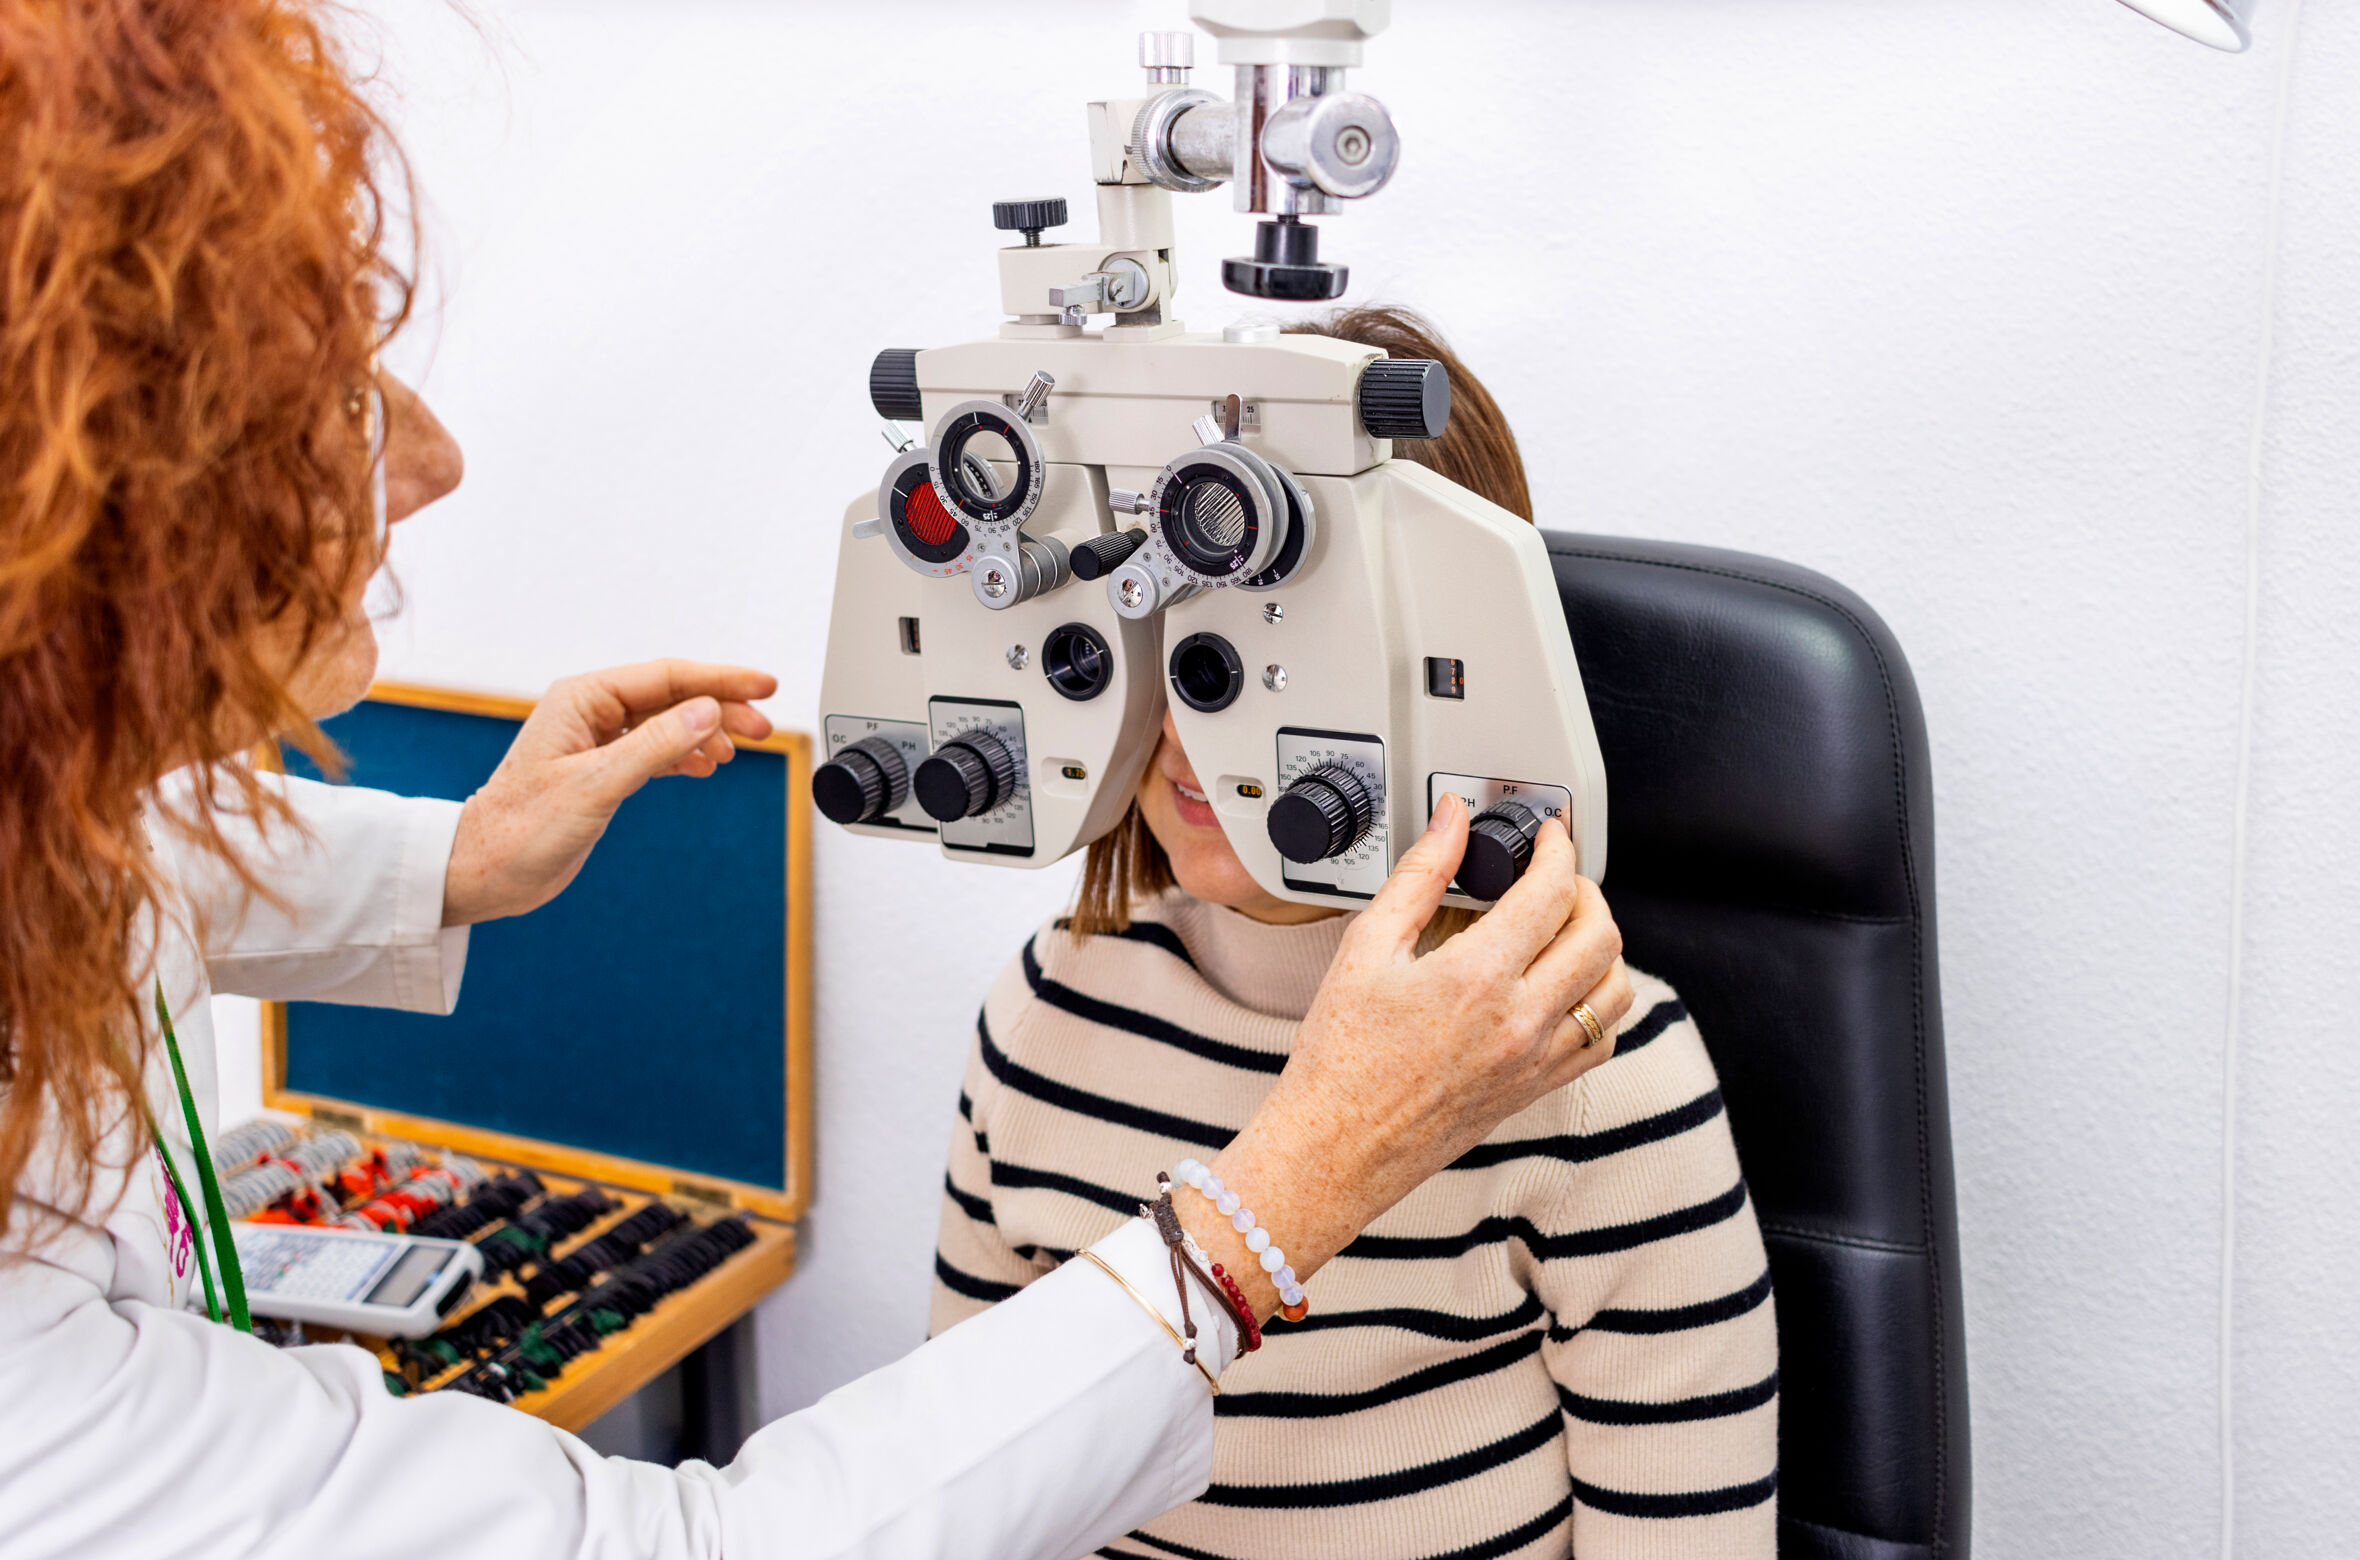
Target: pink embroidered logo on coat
pixel 177 1232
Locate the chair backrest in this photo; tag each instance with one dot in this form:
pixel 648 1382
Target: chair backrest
pixel 1770 832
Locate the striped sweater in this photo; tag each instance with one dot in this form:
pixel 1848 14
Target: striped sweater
pixel 1564 1343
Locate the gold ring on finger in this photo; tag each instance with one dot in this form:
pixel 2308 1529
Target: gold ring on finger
pixel 1589 1021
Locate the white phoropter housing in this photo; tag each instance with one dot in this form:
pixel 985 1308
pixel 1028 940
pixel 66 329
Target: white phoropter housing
pixel 1103 519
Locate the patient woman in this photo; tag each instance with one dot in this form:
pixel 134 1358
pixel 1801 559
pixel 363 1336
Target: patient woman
pixel 1563 1344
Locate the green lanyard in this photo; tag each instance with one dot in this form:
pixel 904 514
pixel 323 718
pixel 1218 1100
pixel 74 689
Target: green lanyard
pixel 233 1278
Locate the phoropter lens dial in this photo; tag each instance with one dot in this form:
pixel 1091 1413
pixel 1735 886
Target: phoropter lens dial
pixel 1302 528
pixel 1323 814
pixel 967 776
pixel 921 531
pixel 1220 512
pixel 989 432
pixel 862 783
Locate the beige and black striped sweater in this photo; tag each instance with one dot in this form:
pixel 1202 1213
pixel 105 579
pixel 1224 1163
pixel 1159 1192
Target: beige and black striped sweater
pixel 1562 1344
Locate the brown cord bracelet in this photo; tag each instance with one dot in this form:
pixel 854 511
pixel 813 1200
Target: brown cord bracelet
pixel 1167 1224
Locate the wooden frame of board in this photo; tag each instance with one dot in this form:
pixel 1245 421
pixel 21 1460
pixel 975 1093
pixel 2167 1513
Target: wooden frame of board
pixel 562 1158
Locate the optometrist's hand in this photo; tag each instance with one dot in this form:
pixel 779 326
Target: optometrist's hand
pixel 591 742
pixel 1405 1063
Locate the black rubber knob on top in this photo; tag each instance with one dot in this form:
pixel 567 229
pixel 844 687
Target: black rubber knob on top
pixel 1100 555
pixel 893 385
pixel 861 783
pixel 1285 265
pixel 1499 848
pixel 1321 815
pixel 1405 398
pixel 1028 217
pixel 971 775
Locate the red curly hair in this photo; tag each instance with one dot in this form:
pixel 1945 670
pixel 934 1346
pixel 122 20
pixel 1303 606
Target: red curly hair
pixel 194 281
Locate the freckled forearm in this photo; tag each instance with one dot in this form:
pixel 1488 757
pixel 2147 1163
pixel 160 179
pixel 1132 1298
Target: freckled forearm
pixel 1297 1167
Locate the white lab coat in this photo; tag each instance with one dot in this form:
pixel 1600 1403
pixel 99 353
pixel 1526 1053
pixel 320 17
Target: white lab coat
pixel 131 1426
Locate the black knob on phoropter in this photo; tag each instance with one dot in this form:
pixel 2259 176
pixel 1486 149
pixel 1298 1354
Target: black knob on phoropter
pixel 1499 848
pixel 1096 558
pixel 893 385
pixel 971 775
pixel 1285 265
pixel 1321 815
pixel 862 783
pixel 1405 398
pixel 1028 217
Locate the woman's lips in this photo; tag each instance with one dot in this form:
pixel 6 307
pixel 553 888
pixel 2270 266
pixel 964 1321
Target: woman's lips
pixel 1192 806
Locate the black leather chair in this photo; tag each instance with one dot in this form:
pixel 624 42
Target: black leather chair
pixel 1771 853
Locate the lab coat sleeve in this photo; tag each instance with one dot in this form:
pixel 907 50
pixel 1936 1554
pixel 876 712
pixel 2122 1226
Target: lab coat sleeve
pixel 361 891
pixel 1059 1421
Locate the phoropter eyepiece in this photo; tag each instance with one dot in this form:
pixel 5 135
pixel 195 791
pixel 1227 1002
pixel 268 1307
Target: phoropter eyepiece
pixel 1206 672
pixel 1077 661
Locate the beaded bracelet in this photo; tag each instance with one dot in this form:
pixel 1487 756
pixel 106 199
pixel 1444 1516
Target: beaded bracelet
pixel 1190 1258
pixel 1293 1304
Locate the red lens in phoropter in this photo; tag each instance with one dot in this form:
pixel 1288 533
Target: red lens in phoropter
pixel 927 518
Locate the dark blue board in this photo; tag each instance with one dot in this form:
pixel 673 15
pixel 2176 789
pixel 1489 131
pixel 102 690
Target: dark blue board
pixel 641 1013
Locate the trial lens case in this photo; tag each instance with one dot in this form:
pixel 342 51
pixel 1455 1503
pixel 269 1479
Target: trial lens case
pixel 648 1030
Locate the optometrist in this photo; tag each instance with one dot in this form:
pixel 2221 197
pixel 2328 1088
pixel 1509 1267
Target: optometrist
pixel 198 465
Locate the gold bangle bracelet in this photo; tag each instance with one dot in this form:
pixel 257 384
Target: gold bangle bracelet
pixel 1148 1306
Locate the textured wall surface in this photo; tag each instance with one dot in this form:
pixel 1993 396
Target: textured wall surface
pixel 1962 303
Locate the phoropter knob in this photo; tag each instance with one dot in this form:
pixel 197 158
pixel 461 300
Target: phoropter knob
pixel 1285 265
pixel 970 775
pixel 862 783
pixel 1499 848
pixel 1028 217
pixel 1098 557
pixel 1323 814
pixel 893 385
pixel 1405 398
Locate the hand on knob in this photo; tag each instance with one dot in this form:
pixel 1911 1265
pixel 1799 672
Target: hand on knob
pixel 1499 847
pixel 1405 1063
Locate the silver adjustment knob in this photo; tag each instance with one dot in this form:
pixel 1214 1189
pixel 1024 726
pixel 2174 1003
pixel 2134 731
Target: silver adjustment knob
pixel 1167 57
pixel 1342 143
pixel 1122 288
pixel 1036 391
pixel 1135 592
pixel 1184 139
pixel 1005 576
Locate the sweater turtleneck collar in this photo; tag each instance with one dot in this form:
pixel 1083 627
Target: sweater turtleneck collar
pixel 1275 970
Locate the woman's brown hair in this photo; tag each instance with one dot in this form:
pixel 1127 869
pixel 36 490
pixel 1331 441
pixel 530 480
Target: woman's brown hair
pixel 194 280
pixel 1477 450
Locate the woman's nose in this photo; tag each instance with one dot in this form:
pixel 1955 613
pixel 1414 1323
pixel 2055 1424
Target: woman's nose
pixel 422 460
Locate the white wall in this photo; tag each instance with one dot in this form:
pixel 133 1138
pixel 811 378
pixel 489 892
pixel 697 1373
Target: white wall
pixel 1959 302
